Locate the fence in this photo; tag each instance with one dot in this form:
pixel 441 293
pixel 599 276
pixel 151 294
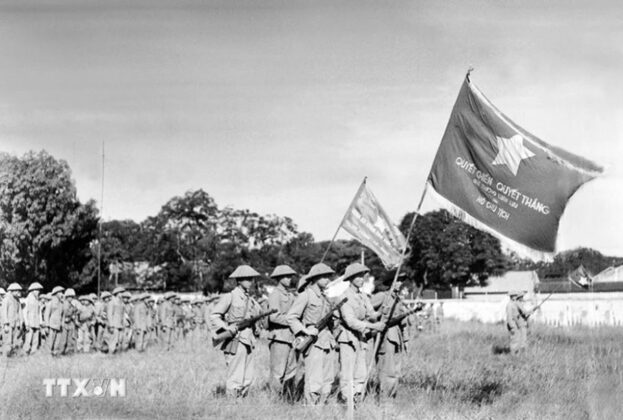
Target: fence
pixel 569 309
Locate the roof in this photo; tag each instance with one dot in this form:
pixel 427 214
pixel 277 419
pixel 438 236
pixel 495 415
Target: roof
pixel 512 280
pixel 610 274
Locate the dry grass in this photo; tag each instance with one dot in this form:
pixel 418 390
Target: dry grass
pixel 461 372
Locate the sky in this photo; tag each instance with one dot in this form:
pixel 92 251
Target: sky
pixel 283 106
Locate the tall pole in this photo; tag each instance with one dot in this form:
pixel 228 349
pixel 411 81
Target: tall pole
pixel 350 207
pixel 390 293
pixel 99 233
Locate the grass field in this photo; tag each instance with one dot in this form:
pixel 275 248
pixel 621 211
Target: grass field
pixel 461 372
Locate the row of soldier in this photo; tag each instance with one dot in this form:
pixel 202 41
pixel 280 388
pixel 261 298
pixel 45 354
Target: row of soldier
pixel 64 323
pixel 342 348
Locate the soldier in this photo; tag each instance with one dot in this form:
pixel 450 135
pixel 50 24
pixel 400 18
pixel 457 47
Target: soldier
pixel 44 301
pixel 70 316
pixel 140 317
pixel 389 362
pixel 2 295
pixel 231 308
pixel 101 320
pixel 356 315
pixel 86 324
pixel 517 322
pixel 308 308
pixel 280 337
pixel 32 318
pixel 11 318
pixel 115 314
pixel 180 331
pixel 166 316
pixel 54 317
pixel 128 320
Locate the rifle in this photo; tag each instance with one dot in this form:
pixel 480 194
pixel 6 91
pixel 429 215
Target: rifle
pixel 533 310
pixel 245 323
pixel 302 344
pixel 396 321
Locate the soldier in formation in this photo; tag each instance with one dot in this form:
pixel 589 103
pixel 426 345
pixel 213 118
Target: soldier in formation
pixel 517 322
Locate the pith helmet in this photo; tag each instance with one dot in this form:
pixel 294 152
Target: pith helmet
pixel 319 270
pixel 45 296
pixel 93 296
pixel 14 287
pixel 244 272
pixel 35 286
pixel 127 294
pixel 85 297
pixel 106 294
pixel 282 271
pixel 70 292
pixel 2 291
pixel 57 289
pixel 354 270
pixel 168 295
pixel 118 290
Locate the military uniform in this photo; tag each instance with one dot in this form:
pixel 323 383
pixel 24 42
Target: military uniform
pixel 54 321
pixel 231 308
pixel 115 313
pixel 166 316
pixel 280 337
pixel 86 324
pixel 307 309
pixel 517 323
pixel 32 319
pixel 140 317
pixel 389 364
pixel 11 319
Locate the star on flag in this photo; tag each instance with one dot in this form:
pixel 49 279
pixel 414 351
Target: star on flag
pixel 511 152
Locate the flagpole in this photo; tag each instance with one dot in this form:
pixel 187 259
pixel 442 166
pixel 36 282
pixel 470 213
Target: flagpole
pixel 99 232
pixel 378 339
pixel 350 207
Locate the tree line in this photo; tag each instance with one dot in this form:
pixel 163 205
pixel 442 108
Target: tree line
pixel 192 244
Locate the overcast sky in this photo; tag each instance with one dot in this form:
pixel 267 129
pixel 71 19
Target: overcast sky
pixel 284 106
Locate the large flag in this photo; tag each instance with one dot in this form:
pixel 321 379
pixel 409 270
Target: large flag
pixel 366 220
pixel 498 177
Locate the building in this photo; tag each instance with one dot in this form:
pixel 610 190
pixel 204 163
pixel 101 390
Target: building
pixel 498 286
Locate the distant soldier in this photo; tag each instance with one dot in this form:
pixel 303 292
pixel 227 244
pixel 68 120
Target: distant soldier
pixel 2 296
pixel 11 318
pixel 32 318
pixel 44 301
pixel 115 313
pixel 282 355
pixel 54 317
pixel 86 324
pixel 231 308
pixel 309 307
pixel 198 315
pixel 166 316
pixel 357 316
pixel 101 320
pixel 128 320
pixel 150 336
pixel 70 316
pixel 517 322
pixel 140 317
pixel 389 363
pixel 180 318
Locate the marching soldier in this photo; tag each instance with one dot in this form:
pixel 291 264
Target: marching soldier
pixel 198 319
pixel 32 318
pixel 115 312
pixel 44 301
pixel 517 322
pixel 166 315
pixel 389 362
pixel 2 296
pixel 356 315
pixel 140 316
pixel 280 337
pixel 308 308
pixel 180 332
pixel 151 320
pixel 11 318
pixel 86 323
pixel 54 317
pixel 231 308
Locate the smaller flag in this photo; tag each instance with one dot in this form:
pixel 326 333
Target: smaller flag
pixel 580 277
pixel 368 223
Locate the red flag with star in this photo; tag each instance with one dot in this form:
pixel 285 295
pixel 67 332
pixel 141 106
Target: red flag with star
pixel 498 177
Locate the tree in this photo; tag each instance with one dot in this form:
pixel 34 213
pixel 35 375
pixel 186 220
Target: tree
pixel 446 252
pixel 45 231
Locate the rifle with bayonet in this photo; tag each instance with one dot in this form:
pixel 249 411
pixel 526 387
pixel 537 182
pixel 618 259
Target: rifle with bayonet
pixel 240 325
pixel 303 343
